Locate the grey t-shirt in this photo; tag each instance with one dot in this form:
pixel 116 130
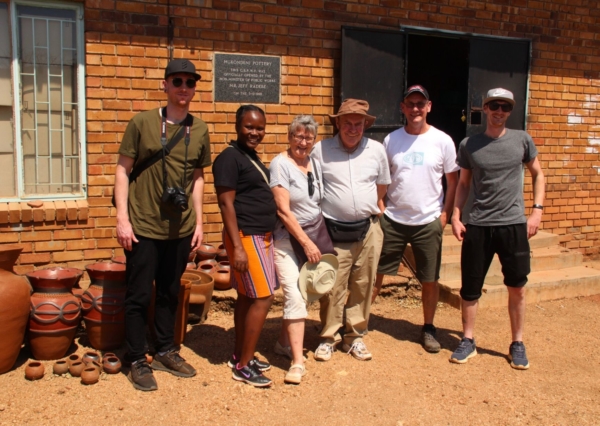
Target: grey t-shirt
pixel 497 167
pixel 288 176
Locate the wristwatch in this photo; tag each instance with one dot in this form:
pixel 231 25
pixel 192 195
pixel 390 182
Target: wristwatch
pixel 538 206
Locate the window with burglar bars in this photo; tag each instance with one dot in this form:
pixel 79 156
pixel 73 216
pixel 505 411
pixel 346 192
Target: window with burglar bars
pixel 47 114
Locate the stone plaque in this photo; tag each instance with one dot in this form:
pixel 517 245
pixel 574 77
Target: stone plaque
pixel 247 78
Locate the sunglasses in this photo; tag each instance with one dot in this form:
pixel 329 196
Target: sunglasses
pixel 493 106
pixel 311 184
pixel 419 105
pixel 178 81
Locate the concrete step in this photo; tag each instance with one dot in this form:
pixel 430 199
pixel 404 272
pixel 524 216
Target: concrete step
pixel 582 280
pixel 542 259
pixel 450 245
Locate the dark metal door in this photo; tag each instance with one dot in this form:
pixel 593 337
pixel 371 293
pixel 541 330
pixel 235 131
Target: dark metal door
pixel 373 70
pixel 497 63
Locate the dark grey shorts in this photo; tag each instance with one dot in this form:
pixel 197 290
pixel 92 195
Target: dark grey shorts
pixel 426 243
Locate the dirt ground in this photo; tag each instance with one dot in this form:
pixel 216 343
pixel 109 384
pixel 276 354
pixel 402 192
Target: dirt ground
pixel 402 385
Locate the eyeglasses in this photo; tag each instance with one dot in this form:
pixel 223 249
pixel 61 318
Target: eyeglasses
pixel 411 105
pixel 300 138
pixel 493 106
pixel 178 81
pixel 311 184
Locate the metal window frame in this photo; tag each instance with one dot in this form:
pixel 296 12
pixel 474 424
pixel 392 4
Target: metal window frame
pixel 81 119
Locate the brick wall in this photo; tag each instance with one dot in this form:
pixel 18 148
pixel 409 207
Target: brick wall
pixel 127 49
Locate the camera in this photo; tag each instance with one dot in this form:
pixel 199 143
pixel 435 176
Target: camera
pixel 175 196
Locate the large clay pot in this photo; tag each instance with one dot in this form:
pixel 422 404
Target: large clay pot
pixel 201 294
pixel 14 307
pixel 206 251
pixel 222 277
pixel 103 305
pixel 55 311
pixel 222 253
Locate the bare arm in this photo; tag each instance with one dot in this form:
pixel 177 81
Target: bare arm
pixel 282 199
pixel 451 183
pixel 539 192
pixel 125 235
pixel 225 198
pixel 197 200
pixel 381 191
pixel 462 192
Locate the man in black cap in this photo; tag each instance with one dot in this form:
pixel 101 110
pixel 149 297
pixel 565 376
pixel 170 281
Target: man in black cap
pixel 416 211
pixel 159 185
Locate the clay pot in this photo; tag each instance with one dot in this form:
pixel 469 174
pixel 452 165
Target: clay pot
pixel 119 259
pixel 111 365
pixel 222 278
pixel 76 368
pixel 55 311
pixel 181 315
pixel 95 364
pixel 191 256
pixel 107 355
pixel 201 294
pixel 73 358
pixel 190 265
pixel 207 268
pixel 89 376
pixel 224 264
pixel 90 357
pixel 222 253
pixel 206 251
pixel 14 307
pixel 103 305
pixel 34 370
pixel 60 367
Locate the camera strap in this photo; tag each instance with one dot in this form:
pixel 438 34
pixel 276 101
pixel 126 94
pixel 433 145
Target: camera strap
pixel 166 148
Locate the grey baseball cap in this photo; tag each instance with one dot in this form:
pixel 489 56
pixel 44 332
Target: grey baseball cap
pixel 181 65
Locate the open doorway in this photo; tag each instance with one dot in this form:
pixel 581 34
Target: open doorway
pixel 441 65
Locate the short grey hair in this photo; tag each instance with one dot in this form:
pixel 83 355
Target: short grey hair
pixel 304 121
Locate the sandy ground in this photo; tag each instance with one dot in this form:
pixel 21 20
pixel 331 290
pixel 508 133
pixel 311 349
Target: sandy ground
pixel 402 385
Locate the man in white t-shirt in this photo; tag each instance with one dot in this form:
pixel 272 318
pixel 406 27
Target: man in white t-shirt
pixel 419 155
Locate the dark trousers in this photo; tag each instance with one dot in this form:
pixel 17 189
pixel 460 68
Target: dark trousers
pixel 164 263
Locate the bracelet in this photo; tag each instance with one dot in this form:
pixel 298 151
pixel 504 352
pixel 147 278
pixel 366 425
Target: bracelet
pixel 538 206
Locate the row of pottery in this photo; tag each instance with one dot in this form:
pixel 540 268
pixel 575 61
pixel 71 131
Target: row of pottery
pixel 88 367
pixel 219 270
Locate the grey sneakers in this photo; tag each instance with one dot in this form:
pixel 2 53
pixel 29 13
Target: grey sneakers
pixel 466 349
pixel 141 376
pixel 428 340
pixel 518 356
pixel 173 363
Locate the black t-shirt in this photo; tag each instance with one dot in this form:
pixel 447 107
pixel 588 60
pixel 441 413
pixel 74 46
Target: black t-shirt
pixel 254 203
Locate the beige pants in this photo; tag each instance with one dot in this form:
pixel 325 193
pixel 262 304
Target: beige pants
pixel 353 288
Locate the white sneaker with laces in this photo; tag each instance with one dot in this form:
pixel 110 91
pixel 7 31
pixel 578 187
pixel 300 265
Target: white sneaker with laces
pixel 358 350
pixel 324 352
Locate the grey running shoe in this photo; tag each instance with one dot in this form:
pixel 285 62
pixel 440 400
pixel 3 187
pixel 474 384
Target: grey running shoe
pixel 261 365
pixel 466 349
pixel 141 376
pixel 251 376
pixel 429 342
pixel 173 363
pixel 518 356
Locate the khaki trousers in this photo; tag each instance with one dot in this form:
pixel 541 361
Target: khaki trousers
pixel 351 293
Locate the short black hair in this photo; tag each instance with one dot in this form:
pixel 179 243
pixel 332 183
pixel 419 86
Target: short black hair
pixel 239 114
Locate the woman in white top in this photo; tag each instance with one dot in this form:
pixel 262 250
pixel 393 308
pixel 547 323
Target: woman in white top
pixel 297 188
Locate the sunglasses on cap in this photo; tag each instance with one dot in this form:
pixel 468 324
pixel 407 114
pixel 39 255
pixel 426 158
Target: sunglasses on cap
pixel 493 106
pixel 178 81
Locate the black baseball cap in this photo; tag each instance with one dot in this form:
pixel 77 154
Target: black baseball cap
pixel 416 88
pixel 181 65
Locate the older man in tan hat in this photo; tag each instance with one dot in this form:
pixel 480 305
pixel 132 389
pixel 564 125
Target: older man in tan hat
pixel 355 178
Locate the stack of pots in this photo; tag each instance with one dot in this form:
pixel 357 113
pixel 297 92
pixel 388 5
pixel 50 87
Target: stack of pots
pixel 219 269
pixel 14 307
pixel 55 311
pixel 103 305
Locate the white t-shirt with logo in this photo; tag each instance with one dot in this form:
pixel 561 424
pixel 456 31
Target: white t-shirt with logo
pixel 417 164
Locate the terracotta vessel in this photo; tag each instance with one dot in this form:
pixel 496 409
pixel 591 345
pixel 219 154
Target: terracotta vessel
pixel 60 367
pixel 206 251
pixel 107 355
pixel 119 259
pixel 89 376
pixel 182 310
pixel 190 265
pixel 111 365
pixel 34 370
pixel 76 368
pixel 201 294
pixel 222 253
pixel 73 358
pixel 90 357
pixel 14 307
pixel 224 264
pixel 192 256
pixel 55 311
pixel 207 268
pixel 103 305
pixel 222 278
pixel 95 364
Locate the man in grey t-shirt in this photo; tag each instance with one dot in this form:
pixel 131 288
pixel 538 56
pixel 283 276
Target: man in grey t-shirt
pixel 493 162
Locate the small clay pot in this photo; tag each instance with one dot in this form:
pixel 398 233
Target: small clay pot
pixel 76 368
pixel 34 370
pixel 60 367
pixel 111 365
pixel 96 364
pixel 89 376
pixel 73 358
pixel 190 265
pixel 206 251
pixel 224 264
pixel 207 268
pixel 107 355
pixel 90 357
pixel 221 253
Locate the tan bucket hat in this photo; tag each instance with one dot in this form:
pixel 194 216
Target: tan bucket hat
pixel 317 279
pixel 354 106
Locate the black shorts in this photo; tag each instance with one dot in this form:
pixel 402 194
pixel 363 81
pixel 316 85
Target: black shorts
pixel 479 246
